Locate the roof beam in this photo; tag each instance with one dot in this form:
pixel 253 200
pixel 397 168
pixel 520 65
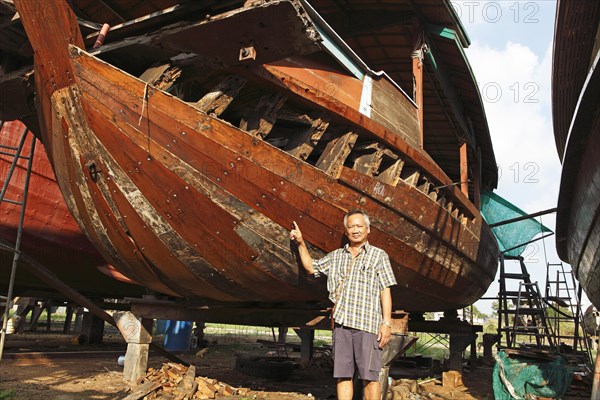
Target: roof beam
pixel 370 21
pixel 112 10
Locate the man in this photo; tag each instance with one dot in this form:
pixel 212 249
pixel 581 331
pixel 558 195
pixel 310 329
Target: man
pixel 359 277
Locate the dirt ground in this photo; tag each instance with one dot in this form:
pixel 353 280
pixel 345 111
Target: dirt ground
pixel 63 372
pixel 97 375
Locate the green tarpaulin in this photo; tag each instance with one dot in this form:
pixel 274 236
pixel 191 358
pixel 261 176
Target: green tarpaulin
pixel 516 378
pixel 496 209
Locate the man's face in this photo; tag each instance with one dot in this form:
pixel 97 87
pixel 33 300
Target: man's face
pixel 356 229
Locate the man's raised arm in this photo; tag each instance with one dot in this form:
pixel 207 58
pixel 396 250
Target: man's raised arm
pixel 305 257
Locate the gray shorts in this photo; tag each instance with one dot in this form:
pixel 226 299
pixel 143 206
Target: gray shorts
pixel 355 349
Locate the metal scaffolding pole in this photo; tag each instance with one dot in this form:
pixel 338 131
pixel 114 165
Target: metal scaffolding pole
pixel 23 204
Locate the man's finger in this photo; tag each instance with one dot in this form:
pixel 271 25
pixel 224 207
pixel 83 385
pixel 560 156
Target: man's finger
pixel 295 225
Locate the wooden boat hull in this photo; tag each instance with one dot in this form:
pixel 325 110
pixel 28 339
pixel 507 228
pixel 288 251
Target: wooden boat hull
pixel 576 100
pixel 207 206
pixel 190 205
pixel 50 234
pixel 578 220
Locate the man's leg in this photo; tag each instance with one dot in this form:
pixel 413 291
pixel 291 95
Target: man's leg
pixel 372 390
pixel 345 389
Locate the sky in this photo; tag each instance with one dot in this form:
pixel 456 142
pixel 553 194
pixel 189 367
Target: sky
pixel 511 57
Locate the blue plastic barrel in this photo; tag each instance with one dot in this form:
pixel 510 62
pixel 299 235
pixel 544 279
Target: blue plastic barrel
pixel 178 335
pixel 160 326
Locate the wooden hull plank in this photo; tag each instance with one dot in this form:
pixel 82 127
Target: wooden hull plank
pixel 96 224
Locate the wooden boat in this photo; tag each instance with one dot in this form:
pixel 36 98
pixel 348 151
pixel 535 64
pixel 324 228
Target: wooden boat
pixel 576 116
pixel 51 236
pixel 187 145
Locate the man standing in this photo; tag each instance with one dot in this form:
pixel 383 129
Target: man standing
pixel 359 277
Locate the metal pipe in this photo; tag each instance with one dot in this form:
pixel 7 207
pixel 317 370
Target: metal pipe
pixel 17 252
pixel 526 243
pixel 16 156
pixel 528 216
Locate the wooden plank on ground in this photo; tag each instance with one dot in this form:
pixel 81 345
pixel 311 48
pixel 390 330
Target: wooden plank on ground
pixel 142 390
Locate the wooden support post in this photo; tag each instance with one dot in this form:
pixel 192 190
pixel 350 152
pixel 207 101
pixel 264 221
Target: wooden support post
pixel 36 312
pixel 477 181
pixel 596 378
pixel 396 347
pixel 464 170
pixel 138 335
pixel 417 67
pixel 336 152
pixel 92 328
pixel 282 335
pixel 68 318
pixel 307 343
pixel 48 315
pixel 201 342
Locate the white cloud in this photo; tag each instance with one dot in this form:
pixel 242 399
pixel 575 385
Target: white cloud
pixel 516 87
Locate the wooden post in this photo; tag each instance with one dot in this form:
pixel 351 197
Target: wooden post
pixel 596 378
pixel 307 343
pixel 138 335
pixel 464 170
pixel 68 318
pixel 477 181
pixel 417 66
pixel 92 328
pixel 418 55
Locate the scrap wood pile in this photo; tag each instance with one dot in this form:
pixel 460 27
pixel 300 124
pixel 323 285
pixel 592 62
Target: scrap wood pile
pixel 177 382
pixel 431 389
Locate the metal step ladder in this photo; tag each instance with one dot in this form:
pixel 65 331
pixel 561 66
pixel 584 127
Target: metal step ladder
pixel 522 313
pixel 563 296
pixel 15 155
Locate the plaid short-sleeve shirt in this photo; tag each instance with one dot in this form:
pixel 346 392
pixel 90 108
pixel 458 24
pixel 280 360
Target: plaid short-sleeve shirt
pixel 358 304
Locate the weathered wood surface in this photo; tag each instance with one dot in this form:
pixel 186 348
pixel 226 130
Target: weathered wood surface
pixel 220 97
pixel 175 381
pixel 304 142
pixel 392 109
pixel 193 205
pixel 221 145
pixel 274 74
pixel 370 158
pixel 261 120
pixel 335 154
pixel 161 76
